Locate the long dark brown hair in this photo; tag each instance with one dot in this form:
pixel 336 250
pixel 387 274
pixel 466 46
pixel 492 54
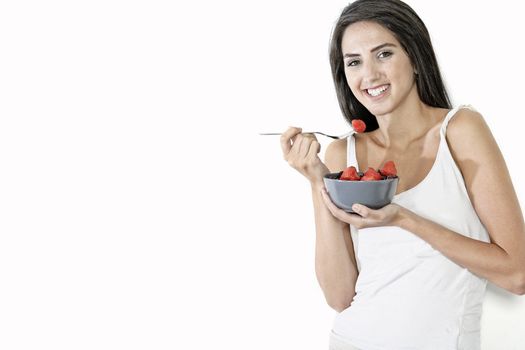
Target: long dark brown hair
pixel 413 36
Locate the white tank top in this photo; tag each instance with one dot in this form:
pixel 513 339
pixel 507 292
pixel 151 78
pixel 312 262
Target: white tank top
pixel 409 295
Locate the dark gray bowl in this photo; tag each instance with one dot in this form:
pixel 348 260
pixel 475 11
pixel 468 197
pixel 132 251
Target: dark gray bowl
pixel 373 194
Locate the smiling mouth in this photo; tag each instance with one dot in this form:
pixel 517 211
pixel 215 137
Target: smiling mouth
pixel 375 92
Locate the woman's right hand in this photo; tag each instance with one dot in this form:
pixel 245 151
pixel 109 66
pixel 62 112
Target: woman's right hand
pixel 300 151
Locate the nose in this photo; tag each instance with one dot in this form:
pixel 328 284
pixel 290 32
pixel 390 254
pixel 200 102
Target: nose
pixel 371 73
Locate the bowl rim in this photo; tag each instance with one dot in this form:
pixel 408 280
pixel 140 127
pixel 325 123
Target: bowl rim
pixel 359 181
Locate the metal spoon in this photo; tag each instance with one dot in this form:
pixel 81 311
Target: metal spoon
pixel 313 132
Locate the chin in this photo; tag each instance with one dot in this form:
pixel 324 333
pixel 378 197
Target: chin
pixel 379 107
pixel 379 110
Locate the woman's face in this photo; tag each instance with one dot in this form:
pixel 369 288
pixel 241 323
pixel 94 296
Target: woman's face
pixel 377 69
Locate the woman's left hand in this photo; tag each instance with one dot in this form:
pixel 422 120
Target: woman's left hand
pixel 389 215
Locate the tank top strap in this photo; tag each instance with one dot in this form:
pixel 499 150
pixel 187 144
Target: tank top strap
pixel 450 115
pixel 351 158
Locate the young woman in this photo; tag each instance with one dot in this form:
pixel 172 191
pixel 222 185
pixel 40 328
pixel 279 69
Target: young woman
pixel 411 275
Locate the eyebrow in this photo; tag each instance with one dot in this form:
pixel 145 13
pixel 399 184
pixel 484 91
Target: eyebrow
pixel 374 49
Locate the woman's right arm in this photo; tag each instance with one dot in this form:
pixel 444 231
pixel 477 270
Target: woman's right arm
pixel 335 264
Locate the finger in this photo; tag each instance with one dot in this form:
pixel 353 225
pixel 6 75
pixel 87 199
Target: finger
pixel 305 146
pixel 310 135
pixel 328 201
pixel 360 209
pixel 365 212
pixel 315 141
pixel 295 151
pixel 315 147
pixel 286 136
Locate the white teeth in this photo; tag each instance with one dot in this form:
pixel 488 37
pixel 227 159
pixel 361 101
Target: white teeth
pixel 378 91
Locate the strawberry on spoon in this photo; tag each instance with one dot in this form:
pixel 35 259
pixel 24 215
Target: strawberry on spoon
pixel 358 125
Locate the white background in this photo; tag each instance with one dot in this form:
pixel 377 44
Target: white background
pixel 139 209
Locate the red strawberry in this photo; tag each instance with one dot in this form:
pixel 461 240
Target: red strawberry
pixel 388 169
pixel 358 125
pixel 350 174
pixel 371 175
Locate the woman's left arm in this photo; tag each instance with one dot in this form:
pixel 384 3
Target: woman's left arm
pixel 502 261
pixel 492 194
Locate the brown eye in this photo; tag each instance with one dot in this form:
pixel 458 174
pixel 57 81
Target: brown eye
pixel 352 63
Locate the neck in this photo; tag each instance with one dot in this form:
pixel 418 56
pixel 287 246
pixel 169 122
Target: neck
pixel 407 123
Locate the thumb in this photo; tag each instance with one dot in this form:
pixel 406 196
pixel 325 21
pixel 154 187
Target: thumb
pixel 362 210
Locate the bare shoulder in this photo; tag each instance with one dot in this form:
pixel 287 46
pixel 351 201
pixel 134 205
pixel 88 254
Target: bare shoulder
pixel 335 155
pixel 469 136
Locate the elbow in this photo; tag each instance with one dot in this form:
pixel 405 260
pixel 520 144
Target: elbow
pixel 338 306
pixel 339 303
pixel 519 284
pixel 515 281
pixel 519 290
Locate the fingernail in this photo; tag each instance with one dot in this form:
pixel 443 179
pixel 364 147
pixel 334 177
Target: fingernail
pixel 356 207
